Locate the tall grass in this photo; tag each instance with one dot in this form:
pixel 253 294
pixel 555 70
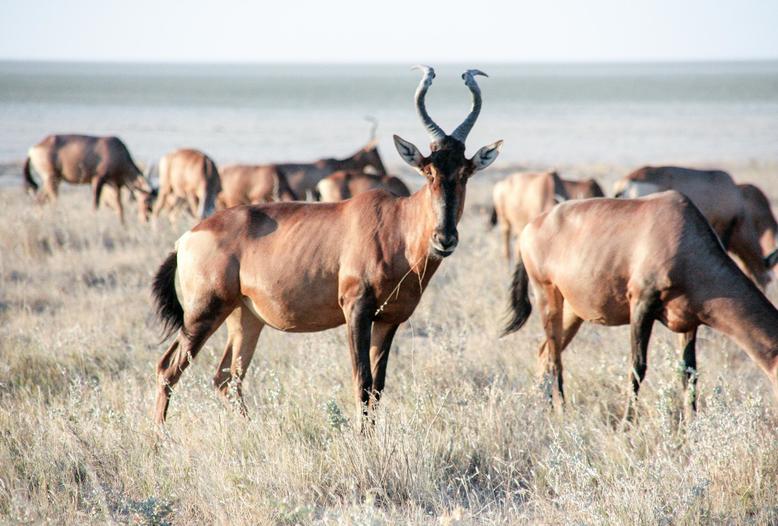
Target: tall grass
pixel 462 436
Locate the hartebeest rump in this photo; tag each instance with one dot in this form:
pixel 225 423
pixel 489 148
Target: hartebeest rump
pixel 521 197
pixel 84 159
pixel 187 176
pixel 763 221
pixel 718 198
pixel 650 259
pixel 305 267
pixel 345 184
pixel 252 184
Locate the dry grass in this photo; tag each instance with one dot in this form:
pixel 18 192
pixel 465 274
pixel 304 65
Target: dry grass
pixel 462 437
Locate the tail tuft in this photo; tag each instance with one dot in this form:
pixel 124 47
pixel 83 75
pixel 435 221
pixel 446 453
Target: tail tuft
pixel 29 183
pixel 520 308
pixel 163 290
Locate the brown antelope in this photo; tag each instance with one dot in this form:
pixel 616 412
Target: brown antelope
pixel 764 224
pixel 252 184
pixel 306 267
pixel 345 184
pixel 718 198
pixel 643 260
pixel 521 197
pixel 187 176
pixel 83 159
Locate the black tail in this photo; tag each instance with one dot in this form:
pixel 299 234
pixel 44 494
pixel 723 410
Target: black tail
pixel 493 218
pixel 29 182
pixel 521 308
pixel 163 290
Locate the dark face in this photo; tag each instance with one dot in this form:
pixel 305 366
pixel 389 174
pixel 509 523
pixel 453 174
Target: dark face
pixel 447 171
pixel 369 156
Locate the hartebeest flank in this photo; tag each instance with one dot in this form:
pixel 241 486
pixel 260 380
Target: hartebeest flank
pixel 718 198
pixel 187 176
pixel 252 184
pixel 83 159
pixel 644 260
pixel 521 197
pixel 306 267
pixel 763 221
pixel 345 184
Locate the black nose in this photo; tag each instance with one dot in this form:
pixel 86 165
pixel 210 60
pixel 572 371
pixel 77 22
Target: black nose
pixel 446 241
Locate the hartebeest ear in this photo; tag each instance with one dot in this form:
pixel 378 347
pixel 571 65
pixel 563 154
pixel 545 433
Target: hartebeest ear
pixel 486 156
pixel 408 152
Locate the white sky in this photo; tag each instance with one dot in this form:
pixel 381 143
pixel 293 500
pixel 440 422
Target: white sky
pixel 395 31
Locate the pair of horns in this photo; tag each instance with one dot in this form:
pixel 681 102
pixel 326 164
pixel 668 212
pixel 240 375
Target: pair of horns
pixel 436 132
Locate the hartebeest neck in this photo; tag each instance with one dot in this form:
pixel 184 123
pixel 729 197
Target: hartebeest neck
pixel 748 317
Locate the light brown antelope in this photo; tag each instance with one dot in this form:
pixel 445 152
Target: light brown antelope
pixel 521 197
pixel 187 176
pixel 636 261
pixel 718 198
pixel 252 184
pixel 83 159
pixel 345 184
pixel 307 267
pixel 764 224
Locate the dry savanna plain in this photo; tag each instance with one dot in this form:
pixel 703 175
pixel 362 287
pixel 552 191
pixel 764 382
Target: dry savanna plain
pixel 463 435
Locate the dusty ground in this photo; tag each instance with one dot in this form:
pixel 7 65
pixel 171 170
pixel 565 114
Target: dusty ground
pixel 463 436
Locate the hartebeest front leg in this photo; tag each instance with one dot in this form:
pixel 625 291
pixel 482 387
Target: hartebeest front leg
pixel 641 323
pixel 97 189
pixel 380 345
pixel 359 314
pixel 689 345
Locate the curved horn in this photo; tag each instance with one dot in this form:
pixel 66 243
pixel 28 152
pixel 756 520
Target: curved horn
pixel 373 127
pixel 436 132
pixel 463 129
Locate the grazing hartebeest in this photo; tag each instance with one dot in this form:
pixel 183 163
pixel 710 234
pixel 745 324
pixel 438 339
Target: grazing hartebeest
pixel 345 184
pixel 83 159
pixel 718 198
pixel 764 224
pixel 643 260
pixel 252 184
pixel 188 176
pixel 306 267
pixel 521 197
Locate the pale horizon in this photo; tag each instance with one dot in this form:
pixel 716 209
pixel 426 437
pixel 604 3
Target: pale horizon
pixel 232 32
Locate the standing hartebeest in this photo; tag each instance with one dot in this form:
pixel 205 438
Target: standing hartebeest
pixel 83 159
pixel 720 201
pixel 521 197
pixel 252 184
pixel 187 176
pixel 345 184
pixel 637 261
pixel 763 221
pixel 306 267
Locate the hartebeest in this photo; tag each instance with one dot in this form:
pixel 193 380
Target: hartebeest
pixel 252 184
pixel 521 197
pixel 306 267
pixel 718 198
pixel 636 261
pixel 762 220
pixel 345 184
pixel 83 159
pixel 187 176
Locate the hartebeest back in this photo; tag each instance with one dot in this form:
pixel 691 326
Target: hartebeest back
pixel 305 267
pixel 345 184
pixel 187 176
pixel 644 260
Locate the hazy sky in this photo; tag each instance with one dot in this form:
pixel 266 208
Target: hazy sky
pixel 388 31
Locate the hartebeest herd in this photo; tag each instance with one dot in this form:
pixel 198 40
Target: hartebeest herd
pixel 363 256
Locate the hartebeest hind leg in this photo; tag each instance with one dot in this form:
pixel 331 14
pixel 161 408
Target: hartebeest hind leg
pixel 198 327
pixel 551 306
pixel 243 329
pixel 688 344
pixel 641 324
